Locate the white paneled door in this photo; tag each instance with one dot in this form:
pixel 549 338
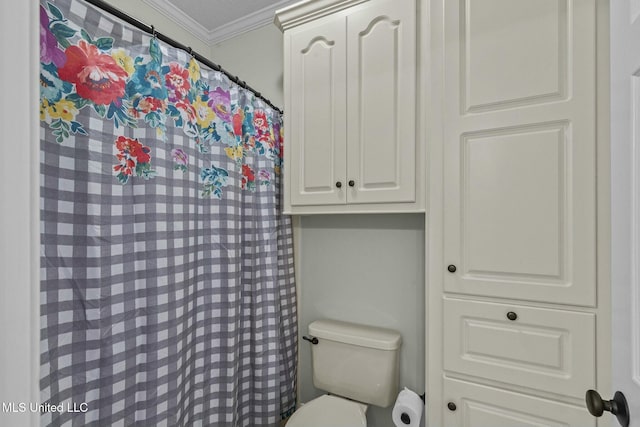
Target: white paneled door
pixel 625 202
pixel 520 149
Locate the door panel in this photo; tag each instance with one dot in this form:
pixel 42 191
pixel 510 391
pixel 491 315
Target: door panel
pixel 625 203
pixel 381 84
pixel 515 57
pixel 519 140
pixel 514 192
pixel 543 349
pixel 317 114
pixel 483 406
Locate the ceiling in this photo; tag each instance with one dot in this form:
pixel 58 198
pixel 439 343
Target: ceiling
pixel 213 21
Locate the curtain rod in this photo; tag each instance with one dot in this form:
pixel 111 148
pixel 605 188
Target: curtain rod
pixel 151 30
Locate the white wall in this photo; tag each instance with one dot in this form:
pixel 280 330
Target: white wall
pixel 255 57
pixel 19 227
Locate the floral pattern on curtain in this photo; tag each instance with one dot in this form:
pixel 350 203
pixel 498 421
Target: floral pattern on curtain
pixel 167 282
pixel 81 72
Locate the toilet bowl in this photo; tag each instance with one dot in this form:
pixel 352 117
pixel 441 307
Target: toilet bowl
pixel 358 365
pixel 330 411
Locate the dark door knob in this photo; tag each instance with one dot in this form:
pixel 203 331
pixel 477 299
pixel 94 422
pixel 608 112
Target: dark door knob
pixel 451 268
pixel 512 315
pixel 618 406
pixel 338 184
pixel 352 183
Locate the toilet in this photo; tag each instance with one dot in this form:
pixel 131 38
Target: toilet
pixel 357 365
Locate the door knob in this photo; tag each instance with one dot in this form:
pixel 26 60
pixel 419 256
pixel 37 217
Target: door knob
pixel 338 184
pixel 352 183
pixel 618 406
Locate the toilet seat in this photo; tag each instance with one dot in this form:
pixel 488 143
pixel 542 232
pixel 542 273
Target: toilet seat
pixel 330 411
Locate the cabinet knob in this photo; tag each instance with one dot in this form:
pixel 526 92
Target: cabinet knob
pixel 338 184
pixel 352 183
pixel 512 315
pixel 452 406
pixel 452 268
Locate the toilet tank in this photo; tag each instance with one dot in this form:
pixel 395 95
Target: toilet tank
pixel 356 361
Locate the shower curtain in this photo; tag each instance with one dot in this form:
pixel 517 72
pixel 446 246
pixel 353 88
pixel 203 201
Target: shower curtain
pixel 167 286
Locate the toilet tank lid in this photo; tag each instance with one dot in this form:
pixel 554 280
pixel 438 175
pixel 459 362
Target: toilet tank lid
pixel 356 334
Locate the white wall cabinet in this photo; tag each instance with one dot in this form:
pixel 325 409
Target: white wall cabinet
pixel 351 100
pixel 517 307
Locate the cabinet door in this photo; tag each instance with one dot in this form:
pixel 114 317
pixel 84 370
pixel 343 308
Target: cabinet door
pixel 317 113
pixel 482 406
pixel 381 87
pixel 519 147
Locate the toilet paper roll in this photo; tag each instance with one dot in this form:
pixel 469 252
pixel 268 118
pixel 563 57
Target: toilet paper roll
pixel 408 409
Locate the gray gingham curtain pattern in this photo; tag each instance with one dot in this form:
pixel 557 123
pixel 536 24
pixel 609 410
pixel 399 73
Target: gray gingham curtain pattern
pixel 167 283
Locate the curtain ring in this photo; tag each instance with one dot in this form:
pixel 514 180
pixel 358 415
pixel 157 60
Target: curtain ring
pixel 190 51
pixel 153 32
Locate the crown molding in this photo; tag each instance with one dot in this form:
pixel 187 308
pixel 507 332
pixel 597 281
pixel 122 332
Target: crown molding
pixel 309 10
pixel 255 20
pixel 231 29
